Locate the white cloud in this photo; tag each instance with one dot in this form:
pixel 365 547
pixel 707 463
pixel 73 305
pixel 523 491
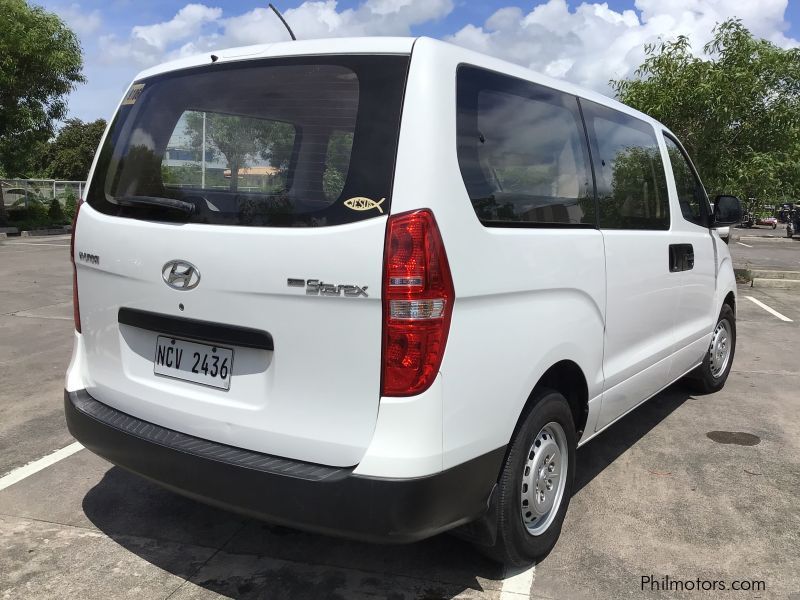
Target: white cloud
pixel 207 29
pixel 82 23
pixel 593 43
pixel 322 19
pixel 588 44
pixel 149 44
pixel 185 24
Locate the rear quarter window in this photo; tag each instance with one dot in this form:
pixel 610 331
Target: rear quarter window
pixel 522 152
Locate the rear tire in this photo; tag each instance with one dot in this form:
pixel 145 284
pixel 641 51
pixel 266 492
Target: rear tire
pixel 535 485
pixel 711 376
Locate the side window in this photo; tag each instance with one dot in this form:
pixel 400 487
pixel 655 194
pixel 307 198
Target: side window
pixel 691 195
pixel 629 173
pixel 522 152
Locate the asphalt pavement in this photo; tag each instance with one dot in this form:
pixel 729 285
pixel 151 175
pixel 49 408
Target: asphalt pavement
pixel 696 488
pixel 764 248
pixel 35 346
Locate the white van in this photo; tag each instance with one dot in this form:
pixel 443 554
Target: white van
pixel 384 288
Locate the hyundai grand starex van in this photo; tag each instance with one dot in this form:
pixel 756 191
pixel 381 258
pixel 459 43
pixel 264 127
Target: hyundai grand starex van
pixel 384 288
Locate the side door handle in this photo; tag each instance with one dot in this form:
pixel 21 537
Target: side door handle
pixel 681 257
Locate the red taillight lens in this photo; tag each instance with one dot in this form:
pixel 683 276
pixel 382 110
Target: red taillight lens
pixel 418 301
pixel 76 309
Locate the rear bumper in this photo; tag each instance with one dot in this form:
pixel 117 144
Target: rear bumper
pixel 306 496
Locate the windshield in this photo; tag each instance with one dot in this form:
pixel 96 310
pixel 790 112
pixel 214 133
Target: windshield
pixel 281 142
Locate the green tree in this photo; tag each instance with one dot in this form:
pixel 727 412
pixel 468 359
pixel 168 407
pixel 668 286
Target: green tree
pixel 235 137
pixel 276 139
pixel 337 161
pixel 638 189
pixel 70 154
pixel 239 139
pixel 55 212
pixel 70 204
pixel 40 63
pixel 736 108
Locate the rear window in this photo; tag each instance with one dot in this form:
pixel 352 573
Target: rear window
pixel 280 142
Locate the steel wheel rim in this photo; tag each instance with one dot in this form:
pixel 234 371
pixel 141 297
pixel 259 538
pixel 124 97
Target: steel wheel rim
pixel 544 478
pixel 720 349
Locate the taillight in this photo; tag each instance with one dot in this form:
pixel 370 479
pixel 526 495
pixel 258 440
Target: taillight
pixel 418 301
pixel 76 310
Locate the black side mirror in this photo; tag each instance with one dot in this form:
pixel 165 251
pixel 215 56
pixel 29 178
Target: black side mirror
pixel 727 211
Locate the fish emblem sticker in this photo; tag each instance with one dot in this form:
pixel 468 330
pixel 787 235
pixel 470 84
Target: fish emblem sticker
pixel 361 203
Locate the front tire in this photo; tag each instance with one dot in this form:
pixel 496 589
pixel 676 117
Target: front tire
pixel 712 374
pixel 535 485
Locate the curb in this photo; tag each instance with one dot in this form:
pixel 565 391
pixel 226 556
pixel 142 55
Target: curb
pixel 743 275
pixel 44 232
pixel 763 238
pixel 775 274
pixel 776 283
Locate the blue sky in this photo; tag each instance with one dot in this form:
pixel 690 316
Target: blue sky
pixel 584 42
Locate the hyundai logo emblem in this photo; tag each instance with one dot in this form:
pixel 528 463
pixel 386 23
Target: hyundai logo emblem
pixel 180 275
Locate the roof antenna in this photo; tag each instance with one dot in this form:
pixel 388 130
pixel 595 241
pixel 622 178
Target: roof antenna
pixel 280 16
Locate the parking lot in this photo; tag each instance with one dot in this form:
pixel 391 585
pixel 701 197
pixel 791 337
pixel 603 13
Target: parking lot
pixel 671 490
pixel 765 248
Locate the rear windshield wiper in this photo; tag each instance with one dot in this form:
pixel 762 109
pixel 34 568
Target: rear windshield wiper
pixel 148 201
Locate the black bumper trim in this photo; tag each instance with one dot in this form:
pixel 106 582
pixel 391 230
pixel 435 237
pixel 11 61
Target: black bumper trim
pixel 207 331
pixel 334 501
pixel 168 438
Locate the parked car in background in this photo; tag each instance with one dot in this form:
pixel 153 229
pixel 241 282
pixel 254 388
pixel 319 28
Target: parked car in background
pixel 768 221
pixel 15 196
pixel 461 271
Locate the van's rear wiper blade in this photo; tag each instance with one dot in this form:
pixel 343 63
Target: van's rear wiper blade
pixel 146 201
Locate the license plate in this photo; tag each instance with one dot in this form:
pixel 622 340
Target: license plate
pixel 199 363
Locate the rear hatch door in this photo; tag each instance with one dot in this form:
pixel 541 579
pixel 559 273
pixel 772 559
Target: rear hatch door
pixel 230 257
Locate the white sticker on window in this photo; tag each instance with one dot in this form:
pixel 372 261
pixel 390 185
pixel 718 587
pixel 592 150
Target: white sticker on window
pixel 133 94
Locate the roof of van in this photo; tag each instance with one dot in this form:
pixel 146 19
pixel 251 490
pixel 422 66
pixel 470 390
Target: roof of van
pixel 344 45
pixel 385 45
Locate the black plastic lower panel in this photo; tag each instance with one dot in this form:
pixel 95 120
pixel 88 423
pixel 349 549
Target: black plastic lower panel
pixel 297 494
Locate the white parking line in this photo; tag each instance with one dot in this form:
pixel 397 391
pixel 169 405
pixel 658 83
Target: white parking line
pixel 770 310
pixel 21 473
pixel 743 244
pixel 517 583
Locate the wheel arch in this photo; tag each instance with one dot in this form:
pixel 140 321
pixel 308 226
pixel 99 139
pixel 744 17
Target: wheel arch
pixel 726 292
pixel 730 300
pixel 567 378
pixel 564 376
